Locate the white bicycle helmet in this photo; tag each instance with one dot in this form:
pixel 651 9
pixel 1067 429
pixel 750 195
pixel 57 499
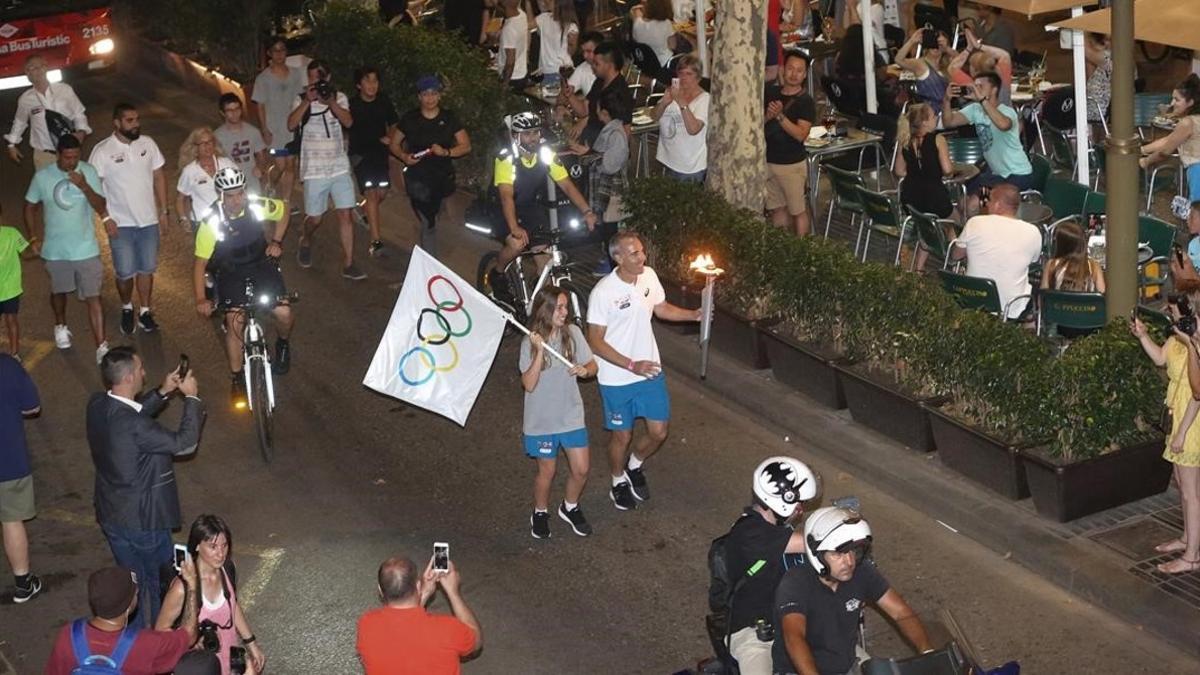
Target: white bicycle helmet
pixel 526 121
pixel 229 178
pixel 833 529
pixel 781 483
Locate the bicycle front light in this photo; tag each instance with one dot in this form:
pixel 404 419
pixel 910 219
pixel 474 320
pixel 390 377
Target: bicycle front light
pixel 264 300
pixel 574 223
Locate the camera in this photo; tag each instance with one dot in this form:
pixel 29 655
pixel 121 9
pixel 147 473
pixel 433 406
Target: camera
pixel 1186 323
pixel 237 660
pixel 764 631
pixel 325 89
pixel 209 639
pixel 929 37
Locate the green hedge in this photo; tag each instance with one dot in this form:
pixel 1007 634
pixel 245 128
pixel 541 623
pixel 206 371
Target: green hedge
pixel 1098 395
pixel 349 36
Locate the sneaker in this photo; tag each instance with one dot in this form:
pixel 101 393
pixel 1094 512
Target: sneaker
pixel 622 496
pixel 101 351
pixel 304 255
pixel 147 322
pixel 576 519
pixel 127 325
pixel 637 483
pixel 376 248
pixel 25 593
pixel 237 393
pixel 353 273
pixel 283 357
pixel 62 337
pixel 539 525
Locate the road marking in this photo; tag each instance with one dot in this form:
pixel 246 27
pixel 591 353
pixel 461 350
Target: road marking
pixel 41 349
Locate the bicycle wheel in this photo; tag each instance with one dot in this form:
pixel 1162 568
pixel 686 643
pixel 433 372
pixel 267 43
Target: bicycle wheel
pixel 502 297
pixel 577 298
pixel 262 408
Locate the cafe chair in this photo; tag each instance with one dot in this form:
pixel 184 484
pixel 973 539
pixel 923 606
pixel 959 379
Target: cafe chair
pixel 1159 237
pixel 1042 170
pixel 1171 166
pixel 978 293
pixel 931 235
pixel 1145 109
pixel 845 197
pixel 881 215
pixel 1070 314
pixel 1155 319
pixel 647 63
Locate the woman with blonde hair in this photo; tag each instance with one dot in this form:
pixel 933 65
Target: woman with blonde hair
pixel 1070 269
pixel 554 408
pixel 200 158
pixel 923 162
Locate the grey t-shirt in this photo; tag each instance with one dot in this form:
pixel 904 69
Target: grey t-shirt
pixel 241 146
pixel 555 406
pixel 276 96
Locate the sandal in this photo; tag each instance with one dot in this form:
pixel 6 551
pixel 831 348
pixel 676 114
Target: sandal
pixel 1173 546
pixel 1179 566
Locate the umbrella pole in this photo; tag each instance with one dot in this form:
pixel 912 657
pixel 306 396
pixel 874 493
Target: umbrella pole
pixel 1122 171
pixel 702 36
pixel 864 17
pixel 1081 123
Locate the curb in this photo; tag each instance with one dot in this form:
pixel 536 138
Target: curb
pixel 1078 565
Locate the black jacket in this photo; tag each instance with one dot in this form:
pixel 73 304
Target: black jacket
pixel 133 453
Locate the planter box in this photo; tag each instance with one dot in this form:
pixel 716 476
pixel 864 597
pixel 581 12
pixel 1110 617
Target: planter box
pixel 880 406
pixel 972 453
pixel 738 336
pixel 1065 492
pixel 805 368
pixel 681 295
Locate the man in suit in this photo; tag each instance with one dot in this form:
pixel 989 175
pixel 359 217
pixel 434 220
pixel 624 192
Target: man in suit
pixel 137 500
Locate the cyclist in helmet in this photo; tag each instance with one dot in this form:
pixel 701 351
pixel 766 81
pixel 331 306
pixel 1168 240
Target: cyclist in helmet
pixel 520 177
pixel 819 606
pixel 755 552
pixel 232 246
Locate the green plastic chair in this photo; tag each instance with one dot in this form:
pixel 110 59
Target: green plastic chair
pixel 965 150
pixel 931 234
pixel 977 293
pixel 845 197
pixel 882 215
pixel 1065 197
pixel 1154 318
pixel 1041 173
pixel 1159 235
pixel 1080 313
pixel 1095 202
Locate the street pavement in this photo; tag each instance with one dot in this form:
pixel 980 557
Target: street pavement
pixel 359 477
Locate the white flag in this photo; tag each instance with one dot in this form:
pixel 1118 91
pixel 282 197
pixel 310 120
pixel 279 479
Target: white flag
pixel 440 343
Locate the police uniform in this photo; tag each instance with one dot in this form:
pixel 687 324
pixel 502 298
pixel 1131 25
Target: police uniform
pixel 527 176
pixel 236 249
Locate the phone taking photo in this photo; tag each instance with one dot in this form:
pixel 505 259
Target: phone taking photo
pixel 181 556
pixel 184 366
pixel 441 556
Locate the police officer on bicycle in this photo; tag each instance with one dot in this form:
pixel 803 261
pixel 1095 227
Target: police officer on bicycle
pixel 232 247
pixel 521 171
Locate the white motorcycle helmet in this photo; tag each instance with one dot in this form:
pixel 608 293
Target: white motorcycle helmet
pixel 833 529
pixel 781 483
pixel 229 178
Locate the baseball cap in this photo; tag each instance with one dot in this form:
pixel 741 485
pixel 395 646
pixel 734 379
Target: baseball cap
pixel 110 591
pixel 429 83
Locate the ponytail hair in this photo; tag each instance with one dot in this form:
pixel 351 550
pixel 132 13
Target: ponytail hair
pixel 911 121
pixel 1190 89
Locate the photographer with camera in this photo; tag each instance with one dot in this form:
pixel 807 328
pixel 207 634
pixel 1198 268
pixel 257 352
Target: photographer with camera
pixel 1179 355
pixel 222 622
pixel 319 115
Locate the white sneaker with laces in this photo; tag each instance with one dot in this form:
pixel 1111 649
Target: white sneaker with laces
pixel 101 351
pixel 62 337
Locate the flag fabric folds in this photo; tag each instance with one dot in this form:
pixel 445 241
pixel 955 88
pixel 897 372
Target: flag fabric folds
pixel 440 342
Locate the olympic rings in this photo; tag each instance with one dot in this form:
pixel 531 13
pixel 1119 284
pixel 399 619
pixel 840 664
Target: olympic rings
pixel 439 310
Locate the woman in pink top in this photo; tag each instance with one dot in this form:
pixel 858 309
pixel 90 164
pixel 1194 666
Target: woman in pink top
pixel 208 543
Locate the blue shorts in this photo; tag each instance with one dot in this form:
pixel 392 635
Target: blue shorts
pixel 546 446
pixel 134 251
pixel 1193 181
pixel 11 305
pixel 625 403
pixel 317 192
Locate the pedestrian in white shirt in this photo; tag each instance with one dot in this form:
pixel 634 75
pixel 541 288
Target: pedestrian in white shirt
pixel 682 116
pixel 999 246
pixel 558 30
pixel 49 110
pixel 130 166
pixel 513 57
pixel 632 383
pixel 200 158
pixel 320 115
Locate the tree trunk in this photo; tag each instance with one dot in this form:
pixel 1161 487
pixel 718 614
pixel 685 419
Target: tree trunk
pixel 736 166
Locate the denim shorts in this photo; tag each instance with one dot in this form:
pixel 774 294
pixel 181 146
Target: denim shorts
pixel 134 251
pixel 546 446
pixel 317 192
pixel 625 403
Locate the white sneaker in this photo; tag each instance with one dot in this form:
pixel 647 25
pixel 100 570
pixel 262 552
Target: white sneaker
pixel 101 351
pixel 62 337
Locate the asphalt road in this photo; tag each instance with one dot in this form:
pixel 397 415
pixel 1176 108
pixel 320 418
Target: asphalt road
pixel 359 477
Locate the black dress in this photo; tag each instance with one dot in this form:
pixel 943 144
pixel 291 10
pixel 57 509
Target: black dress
pixel 923 188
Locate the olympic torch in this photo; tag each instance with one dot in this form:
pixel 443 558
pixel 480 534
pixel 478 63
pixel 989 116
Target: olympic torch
pixel 703 265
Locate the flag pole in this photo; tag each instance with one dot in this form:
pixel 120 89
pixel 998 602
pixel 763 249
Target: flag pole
pixel 513 320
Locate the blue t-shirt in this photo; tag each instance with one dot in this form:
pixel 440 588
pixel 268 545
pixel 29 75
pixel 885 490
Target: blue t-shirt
pixel 1194 252
pixel 1002 149
pixel 70 234
pixel 17 393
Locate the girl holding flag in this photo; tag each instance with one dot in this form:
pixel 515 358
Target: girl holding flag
pixel 554 408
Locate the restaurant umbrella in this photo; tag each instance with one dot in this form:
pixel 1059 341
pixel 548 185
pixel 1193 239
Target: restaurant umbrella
pixel 1167 22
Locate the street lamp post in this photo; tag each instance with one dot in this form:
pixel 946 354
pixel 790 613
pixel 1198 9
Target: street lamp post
pixel 1122 171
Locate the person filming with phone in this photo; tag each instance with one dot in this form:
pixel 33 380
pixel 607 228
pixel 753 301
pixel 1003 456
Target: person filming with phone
pixel 401 637
pixel 137 498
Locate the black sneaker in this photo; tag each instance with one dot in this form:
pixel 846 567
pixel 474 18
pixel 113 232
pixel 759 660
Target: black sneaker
pixel 283 357
pixel 499 284
pixel 304 255
pixel 237 393
pixel 127 325
pixel 376 248
pixel 147 322
pixel 637 483
pixel 353 273
pixel 539 525
pixel 622 496
pixel 576 519
pixel 25 593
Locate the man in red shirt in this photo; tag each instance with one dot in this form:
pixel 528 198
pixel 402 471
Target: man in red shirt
pixel 401 638
pixel 112 595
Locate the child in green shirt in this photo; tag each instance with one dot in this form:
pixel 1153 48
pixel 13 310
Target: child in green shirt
pixel 12 245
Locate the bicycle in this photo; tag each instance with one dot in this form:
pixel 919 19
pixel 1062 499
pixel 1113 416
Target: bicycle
pixel 556 270
pixel 256 361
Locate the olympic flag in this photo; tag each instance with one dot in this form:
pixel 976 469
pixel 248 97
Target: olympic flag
pixel 440 342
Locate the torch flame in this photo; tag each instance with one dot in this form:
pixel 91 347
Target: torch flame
pixel 704 265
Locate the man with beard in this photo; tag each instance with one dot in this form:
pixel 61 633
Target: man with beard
pixel 130 166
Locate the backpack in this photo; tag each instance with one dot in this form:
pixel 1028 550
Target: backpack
pixel 298 136
pixel 99 664
pixel 721 586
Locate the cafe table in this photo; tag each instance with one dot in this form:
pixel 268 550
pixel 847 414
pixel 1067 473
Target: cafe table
pixel 821 146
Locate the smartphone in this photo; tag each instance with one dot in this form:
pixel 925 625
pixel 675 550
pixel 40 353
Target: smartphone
pixel 181 555
pixel 1178 254
pixel 441 556
pixel 184 366
pixel 675 82
pixel 419 155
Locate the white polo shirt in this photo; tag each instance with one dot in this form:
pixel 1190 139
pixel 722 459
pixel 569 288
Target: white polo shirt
pixel 625 311
pixel 127 172
pixel 195 182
